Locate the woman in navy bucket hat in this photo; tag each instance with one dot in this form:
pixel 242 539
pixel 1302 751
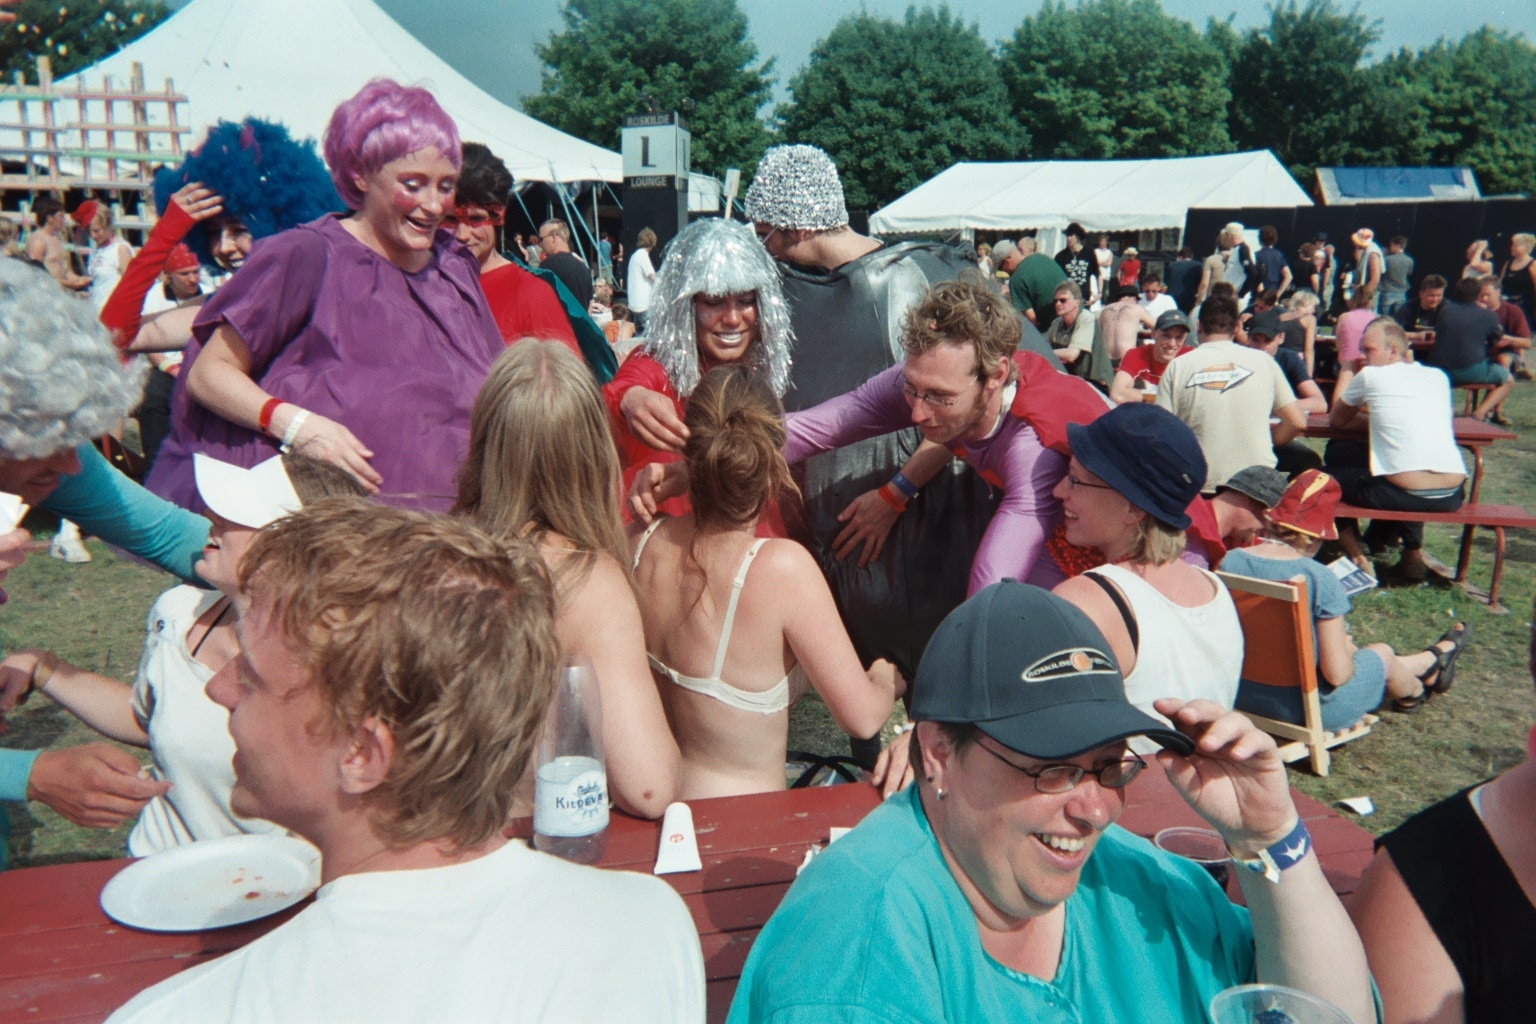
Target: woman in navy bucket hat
pixel 1172 626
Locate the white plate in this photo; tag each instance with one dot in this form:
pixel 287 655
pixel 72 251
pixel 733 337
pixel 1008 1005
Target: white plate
pixel 213 884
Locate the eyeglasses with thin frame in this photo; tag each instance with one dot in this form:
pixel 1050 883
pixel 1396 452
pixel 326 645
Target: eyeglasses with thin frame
pixel 926 397
pixel 1074 483
pixel 1062 778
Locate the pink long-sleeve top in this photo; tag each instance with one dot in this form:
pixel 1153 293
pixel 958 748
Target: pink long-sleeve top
pixel 1011 459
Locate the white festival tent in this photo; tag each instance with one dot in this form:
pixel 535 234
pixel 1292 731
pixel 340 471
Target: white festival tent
pixel 1102 195
pixel 293 61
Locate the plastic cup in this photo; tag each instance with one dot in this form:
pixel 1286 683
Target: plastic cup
pixel 1200 845
pixel 1272 1004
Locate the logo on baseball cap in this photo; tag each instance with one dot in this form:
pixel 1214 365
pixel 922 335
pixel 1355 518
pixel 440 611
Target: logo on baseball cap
pixel 1033 672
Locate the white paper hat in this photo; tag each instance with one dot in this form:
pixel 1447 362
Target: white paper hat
pixel 247 497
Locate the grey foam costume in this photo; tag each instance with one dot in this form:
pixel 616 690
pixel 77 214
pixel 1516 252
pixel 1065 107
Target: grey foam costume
pixel 847 325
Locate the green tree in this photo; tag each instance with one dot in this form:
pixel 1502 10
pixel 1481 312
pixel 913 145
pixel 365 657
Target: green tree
pixel 689 55
pixel 1470 103
pixel 894 103
pixel 1298 88
pixel 73 35
pixel 1116 78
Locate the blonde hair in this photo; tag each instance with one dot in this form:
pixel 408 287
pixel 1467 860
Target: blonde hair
pixel 316 479
pixel 1525 241
pixel 646 239
pixel 1301 298
pixel 541 456
pixel 442 633
pixel 1156 542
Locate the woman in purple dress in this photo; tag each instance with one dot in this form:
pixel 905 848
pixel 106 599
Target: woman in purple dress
pixel 362 337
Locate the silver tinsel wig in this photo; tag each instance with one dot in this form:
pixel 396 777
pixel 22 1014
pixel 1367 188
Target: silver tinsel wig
pixel 61 381
pixel 797 187
pixel 716 257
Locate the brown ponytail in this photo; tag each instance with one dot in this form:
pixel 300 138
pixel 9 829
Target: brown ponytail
pixel 735 449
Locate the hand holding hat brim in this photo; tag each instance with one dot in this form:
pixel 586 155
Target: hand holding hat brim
pixel 1234 777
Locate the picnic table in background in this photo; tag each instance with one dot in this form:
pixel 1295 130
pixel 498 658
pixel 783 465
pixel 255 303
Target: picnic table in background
pixel 1471 434
pixel 65 961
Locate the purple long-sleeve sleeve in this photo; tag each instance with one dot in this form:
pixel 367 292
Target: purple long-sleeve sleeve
pixel 1013 546
pixel 876 407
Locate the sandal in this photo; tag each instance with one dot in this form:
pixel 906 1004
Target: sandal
pixel 1408 705
pixel 1444 667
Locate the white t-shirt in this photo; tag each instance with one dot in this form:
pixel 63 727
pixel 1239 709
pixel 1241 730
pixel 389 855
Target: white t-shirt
pixel 515 935
pixel 1410 418
pixel 188 734
pixel 641 281
pixel 106 264
pixel 1158 306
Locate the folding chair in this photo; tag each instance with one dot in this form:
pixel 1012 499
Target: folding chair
pixel 1278 650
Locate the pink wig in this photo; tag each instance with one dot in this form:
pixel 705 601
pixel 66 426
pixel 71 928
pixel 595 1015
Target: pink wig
pixel 383 122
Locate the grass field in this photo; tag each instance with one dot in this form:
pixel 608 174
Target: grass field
pixel 93 615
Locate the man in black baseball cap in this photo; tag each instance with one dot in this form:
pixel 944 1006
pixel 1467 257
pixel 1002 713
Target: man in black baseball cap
pixel 998 887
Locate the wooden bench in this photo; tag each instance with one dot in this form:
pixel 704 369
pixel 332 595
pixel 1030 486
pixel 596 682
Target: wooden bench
pixel 1496 517
pixel 1278 650
pixel 1475 393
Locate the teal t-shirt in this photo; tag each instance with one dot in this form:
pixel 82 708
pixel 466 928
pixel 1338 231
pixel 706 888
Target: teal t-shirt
pixel 875 929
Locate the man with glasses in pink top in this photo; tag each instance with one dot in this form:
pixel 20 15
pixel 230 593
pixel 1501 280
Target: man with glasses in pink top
pixel 966 386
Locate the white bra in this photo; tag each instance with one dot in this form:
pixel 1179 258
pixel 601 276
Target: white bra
pixel 766 702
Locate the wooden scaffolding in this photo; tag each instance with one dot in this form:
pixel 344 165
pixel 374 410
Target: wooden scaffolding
pixel 106 150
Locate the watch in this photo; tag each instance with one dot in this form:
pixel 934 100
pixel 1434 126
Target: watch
pixel 1288 852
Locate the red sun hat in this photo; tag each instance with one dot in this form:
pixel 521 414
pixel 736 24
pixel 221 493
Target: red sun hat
pixel 181 258
pixel 1308 505
pixel 85 213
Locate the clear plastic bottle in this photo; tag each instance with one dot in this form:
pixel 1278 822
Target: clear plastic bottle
pixel 570 806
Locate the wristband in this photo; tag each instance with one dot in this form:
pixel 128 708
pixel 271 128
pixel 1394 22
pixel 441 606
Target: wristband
pixel 892 497
pixel 293 428
pixel 264 420
pixel 905 486
pixel 42 672
pixel 1287 853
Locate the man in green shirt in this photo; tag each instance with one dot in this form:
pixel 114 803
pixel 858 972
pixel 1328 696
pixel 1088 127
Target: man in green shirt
pixel 998 888
pixel 1033 277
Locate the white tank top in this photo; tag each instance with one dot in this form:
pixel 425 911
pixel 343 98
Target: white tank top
pixel 105 270
pixel 188 734
pixel 1187 653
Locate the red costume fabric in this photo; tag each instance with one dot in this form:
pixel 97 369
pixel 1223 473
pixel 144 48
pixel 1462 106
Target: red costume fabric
pixel 641 371
pixel 525 307
pixel 1048 400
pixel 125 305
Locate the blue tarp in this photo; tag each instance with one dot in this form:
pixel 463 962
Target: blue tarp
pixel 1400 182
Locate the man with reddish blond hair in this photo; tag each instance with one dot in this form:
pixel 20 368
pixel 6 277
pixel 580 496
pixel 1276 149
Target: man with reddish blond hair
pixel 393 677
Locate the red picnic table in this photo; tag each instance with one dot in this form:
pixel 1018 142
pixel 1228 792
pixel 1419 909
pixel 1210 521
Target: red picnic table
pixel 64 960
pixel 1471 434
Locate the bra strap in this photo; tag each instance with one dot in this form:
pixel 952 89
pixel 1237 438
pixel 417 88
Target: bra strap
pixel 1125 609
pixel 730 609
pixel 641 546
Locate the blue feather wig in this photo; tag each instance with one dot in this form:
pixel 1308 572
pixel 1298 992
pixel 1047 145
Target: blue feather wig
pixel 268 181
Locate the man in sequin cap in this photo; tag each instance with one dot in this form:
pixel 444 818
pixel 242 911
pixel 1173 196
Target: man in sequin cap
pixel 717 301
pixel 848 294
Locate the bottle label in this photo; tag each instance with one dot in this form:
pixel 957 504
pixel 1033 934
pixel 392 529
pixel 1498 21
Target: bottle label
pixel 571 797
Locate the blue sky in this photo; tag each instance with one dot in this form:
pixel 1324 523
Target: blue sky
pixel 491 41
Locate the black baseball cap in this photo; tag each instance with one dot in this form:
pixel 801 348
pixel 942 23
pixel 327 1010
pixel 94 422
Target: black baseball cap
pixel 1266 323
pixel 1147 454
pixel 1033 672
